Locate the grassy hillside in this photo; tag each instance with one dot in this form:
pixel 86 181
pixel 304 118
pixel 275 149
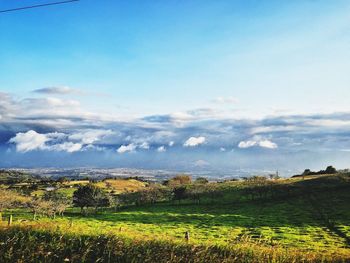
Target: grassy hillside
pixel 67 188
pixel 289 219
pixel 11 177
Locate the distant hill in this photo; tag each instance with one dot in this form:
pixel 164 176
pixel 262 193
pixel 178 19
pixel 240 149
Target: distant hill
pixel 12 176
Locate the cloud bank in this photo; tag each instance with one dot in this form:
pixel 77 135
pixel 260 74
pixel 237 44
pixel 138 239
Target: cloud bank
pixel 31 140
pixel 52 125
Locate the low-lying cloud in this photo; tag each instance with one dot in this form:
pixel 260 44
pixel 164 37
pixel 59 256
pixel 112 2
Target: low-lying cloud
pixel 161 149
pixel 60 125
pixel 194 141
pixel 32 140
pixel 127 148
pixel 29 141
pixel 257 141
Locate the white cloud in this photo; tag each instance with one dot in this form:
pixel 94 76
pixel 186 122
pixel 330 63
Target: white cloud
pixel 222 149
pixel 144 145
pixel 171 143
pixel 29 141
pixel 268 144
pixel 329 123
pixel 246 144
pixel 181 116
pixel 194 141
pixel 161 149
pixel 91 136
pixel 127 148
pixel 62 103
pixel 270 129
pixel 52 112
pixel 67 147
pixel 257 141
pixel 48 103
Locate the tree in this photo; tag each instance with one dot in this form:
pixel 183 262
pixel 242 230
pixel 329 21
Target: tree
pixel 41 207
pixel 128 198
pixel 59 200
pixel 306 172
pixel 196 192
pixel 90 196
pixel 158 193
pixel 179 193
pixel 213 192
pixel 257 186
pixel 115 202
pixel 11 199
pixel 179 180
pixel 330 170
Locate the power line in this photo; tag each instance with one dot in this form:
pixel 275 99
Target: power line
pixel 36 6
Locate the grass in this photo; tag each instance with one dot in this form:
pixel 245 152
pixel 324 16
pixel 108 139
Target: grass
pixel 54 246
pixel 291 224
pixel 315 223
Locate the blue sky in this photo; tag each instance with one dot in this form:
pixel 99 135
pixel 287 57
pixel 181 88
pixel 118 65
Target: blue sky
pixel 245 81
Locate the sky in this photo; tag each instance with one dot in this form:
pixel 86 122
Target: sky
pixel 181 85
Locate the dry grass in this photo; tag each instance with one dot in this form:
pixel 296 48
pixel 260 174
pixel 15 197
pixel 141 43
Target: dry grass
pixel 120 185
pixel 78 182
pixel 117 185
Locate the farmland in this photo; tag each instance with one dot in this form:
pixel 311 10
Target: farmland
pixel 297 219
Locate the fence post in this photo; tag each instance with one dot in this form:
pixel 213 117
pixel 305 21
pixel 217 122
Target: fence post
pixel 10 221
pixel 187 236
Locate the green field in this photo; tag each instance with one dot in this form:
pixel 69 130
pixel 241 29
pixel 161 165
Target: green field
pixel 313 218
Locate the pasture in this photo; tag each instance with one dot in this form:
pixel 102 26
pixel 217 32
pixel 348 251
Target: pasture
pixel 314 218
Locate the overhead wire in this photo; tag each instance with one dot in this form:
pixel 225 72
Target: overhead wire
pixel 37 6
